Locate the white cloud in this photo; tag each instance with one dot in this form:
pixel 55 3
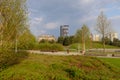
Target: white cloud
pixel 36 21
pixel 115 17
pixel 51 25
pixel 87 19
pixel 118 8
pixel 42 31
pixel 86 1
pixel 33 10
pixel 104 9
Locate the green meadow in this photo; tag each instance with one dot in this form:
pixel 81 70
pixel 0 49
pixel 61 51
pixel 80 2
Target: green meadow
pixel 49 67
pixel 113 61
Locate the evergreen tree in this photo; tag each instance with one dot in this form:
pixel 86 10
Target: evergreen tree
pixel 60 40
pixel 66 41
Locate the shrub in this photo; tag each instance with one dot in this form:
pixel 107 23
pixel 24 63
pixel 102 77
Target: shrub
pixel 75 73
pixel 8 58
pixel 50 47
pixel 57 47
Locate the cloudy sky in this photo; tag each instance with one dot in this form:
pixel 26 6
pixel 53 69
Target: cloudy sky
pixel 46 16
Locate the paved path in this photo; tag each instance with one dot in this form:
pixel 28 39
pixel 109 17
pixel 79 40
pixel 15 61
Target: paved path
pixel 54 53
pixel 107 50
pixel 64 53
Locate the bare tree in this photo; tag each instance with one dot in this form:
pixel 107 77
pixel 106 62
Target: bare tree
pixel 103 27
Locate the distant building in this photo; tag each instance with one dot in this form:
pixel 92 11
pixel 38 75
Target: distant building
pixel 111 36
pixel 46 37
pixel 96 37
pixel 64 30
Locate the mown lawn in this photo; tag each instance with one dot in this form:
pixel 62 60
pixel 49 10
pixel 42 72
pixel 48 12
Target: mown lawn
pixel 48 67
pixel 95 45
pixel 114 61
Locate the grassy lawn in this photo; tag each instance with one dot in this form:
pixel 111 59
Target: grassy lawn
pixel 95 45
pixel 114 61
pixel 49 67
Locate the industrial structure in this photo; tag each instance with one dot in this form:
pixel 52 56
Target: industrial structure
pixel 64 30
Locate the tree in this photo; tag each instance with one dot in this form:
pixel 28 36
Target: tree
pixel 78 35
pixel 60 40
pixel 71 39
pixel 103 27
pixel 83 36
pixel 108 41
pixel 14 20
pixel 27 40
pixel 116 42
pixel 66 41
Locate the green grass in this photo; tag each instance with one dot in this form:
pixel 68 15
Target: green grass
pixel 48 67
pixel 93 45
pixel 114 61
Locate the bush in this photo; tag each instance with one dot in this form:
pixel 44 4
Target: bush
pixel 75 73
pixel 57 47
pixel 50 47
pixel 8 58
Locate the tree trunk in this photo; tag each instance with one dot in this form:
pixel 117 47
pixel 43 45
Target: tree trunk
pixel 83 43
pixel 83 48
pixel 103 46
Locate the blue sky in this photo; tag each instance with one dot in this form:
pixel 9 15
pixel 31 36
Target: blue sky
pixel 46 16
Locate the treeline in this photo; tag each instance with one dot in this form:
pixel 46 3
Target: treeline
pixel 115 42
pixel 66 40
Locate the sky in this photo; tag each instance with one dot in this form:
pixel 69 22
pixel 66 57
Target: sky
pixel 46 16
